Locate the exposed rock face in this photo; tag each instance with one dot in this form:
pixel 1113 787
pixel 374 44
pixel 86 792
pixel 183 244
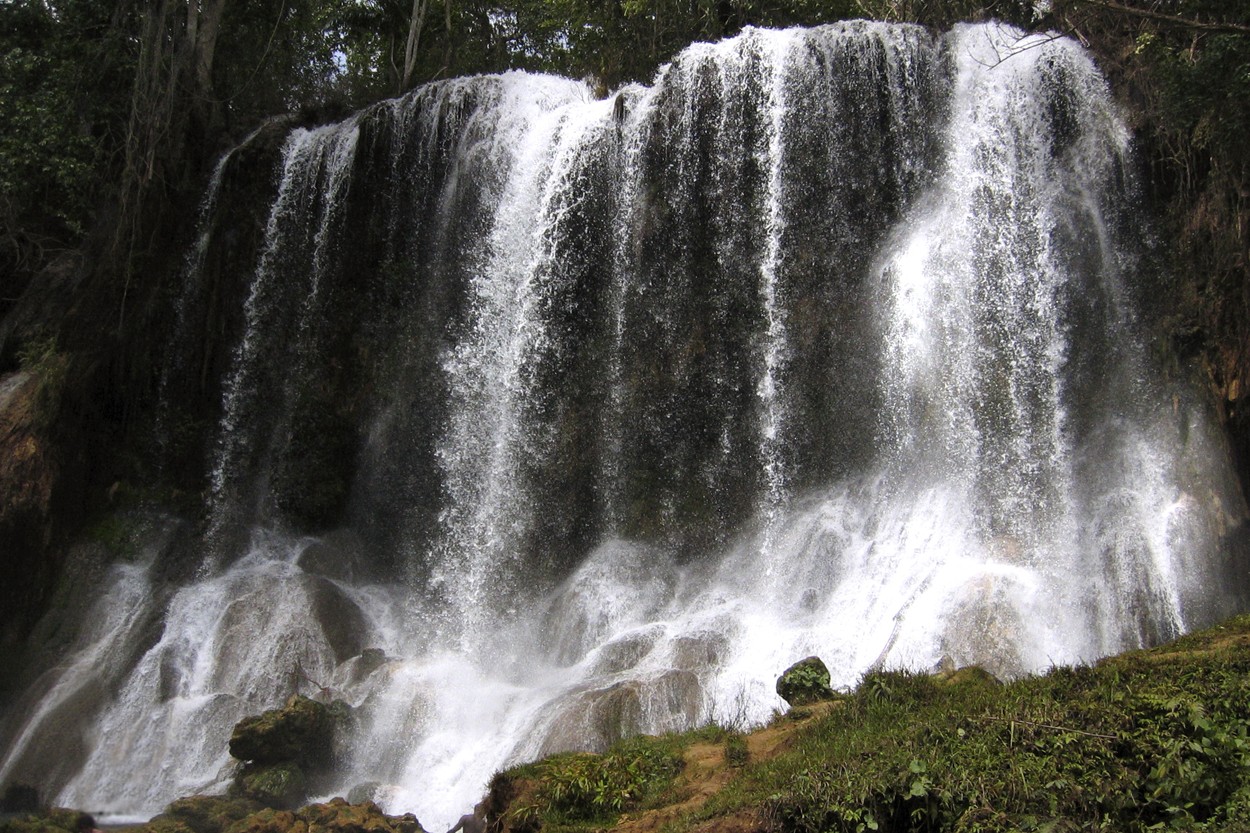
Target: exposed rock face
pixel 28 476
pixel 807 681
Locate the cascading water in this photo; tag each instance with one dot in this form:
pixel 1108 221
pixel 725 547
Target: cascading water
pixel 604 412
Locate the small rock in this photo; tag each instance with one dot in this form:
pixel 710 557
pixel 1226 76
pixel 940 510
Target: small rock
pixel 807 681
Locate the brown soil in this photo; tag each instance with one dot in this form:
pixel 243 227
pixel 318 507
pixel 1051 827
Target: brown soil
pixel 706 773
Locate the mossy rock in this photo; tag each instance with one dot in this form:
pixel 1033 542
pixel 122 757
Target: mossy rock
pixel 336 816
pixel 56 820
pixel 166 824
pixel 273 785
pixel 301 732
pixel 805 682
pixel 204 813
pixel 266 821
pixel 968 677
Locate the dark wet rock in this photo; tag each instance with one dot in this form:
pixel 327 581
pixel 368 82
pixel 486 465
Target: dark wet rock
pixel 370 660
pixel 341 620
pixel 337 555
pixel 19 798
pixel 301 732
pixel 624 653
pixel 698 652
pixel 807 681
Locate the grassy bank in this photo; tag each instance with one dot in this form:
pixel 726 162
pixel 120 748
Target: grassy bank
pixel 1153 739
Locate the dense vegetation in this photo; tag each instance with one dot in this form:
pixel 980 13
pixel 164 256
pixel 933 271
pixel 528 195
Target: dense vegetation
pixel 113 112
pixel 1154 739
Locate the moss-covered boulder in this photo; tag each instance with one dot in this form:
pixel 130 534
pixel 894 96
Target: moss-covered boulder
pixel 807 681
pixel 56 820
pixel 336 816
pixel 301 732
pixel 970 676
pixel 281 785
pixel 203 814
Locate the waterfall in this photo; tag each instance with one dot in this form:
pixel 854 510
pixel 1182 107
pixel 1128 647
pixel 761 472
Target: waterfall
pixel 592 415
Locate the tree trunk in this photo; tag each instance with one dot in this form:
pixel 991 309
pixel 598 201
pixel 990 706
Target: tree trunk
pixel 415 24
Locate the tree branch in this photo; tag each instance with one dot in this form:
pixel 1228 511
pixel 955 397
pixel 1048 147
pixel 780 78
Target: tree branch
pixel 1175 20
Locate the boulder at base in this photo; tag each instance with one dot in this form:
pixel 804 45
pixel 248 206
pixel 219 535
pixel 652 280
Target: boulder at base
pixel 336 816
pixel 807 681
pixel 202 814
pixel 300 732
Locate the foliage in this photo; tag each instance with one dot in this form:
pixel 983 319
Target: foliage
pixel 59 104
pixel 41 358
pixel 736 752
pixel 807 681
pixel 56 820
pixel 579 787
pixel 1146 740
pixel 1150 740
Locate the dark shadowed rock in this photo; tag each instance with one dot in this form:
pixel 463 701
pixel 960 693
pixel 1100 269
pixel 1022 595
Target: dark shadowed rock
pixel 341 620
pixel 19 798
pixel 361 793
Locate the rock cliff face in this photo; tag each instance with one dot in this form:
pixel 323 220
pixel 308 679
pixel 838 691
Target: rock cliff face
pixel 30 480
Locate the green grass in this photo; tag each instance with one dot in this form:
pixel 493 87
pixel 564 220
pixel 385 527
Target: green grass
pixel 1151 740
pixel 579 791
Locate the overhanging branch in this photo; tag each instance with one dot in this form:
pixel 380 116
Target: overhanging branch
pixel 1175 20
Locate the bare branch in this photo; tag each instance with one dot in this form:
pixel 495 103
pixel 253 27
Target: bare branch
pixel 1175 20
